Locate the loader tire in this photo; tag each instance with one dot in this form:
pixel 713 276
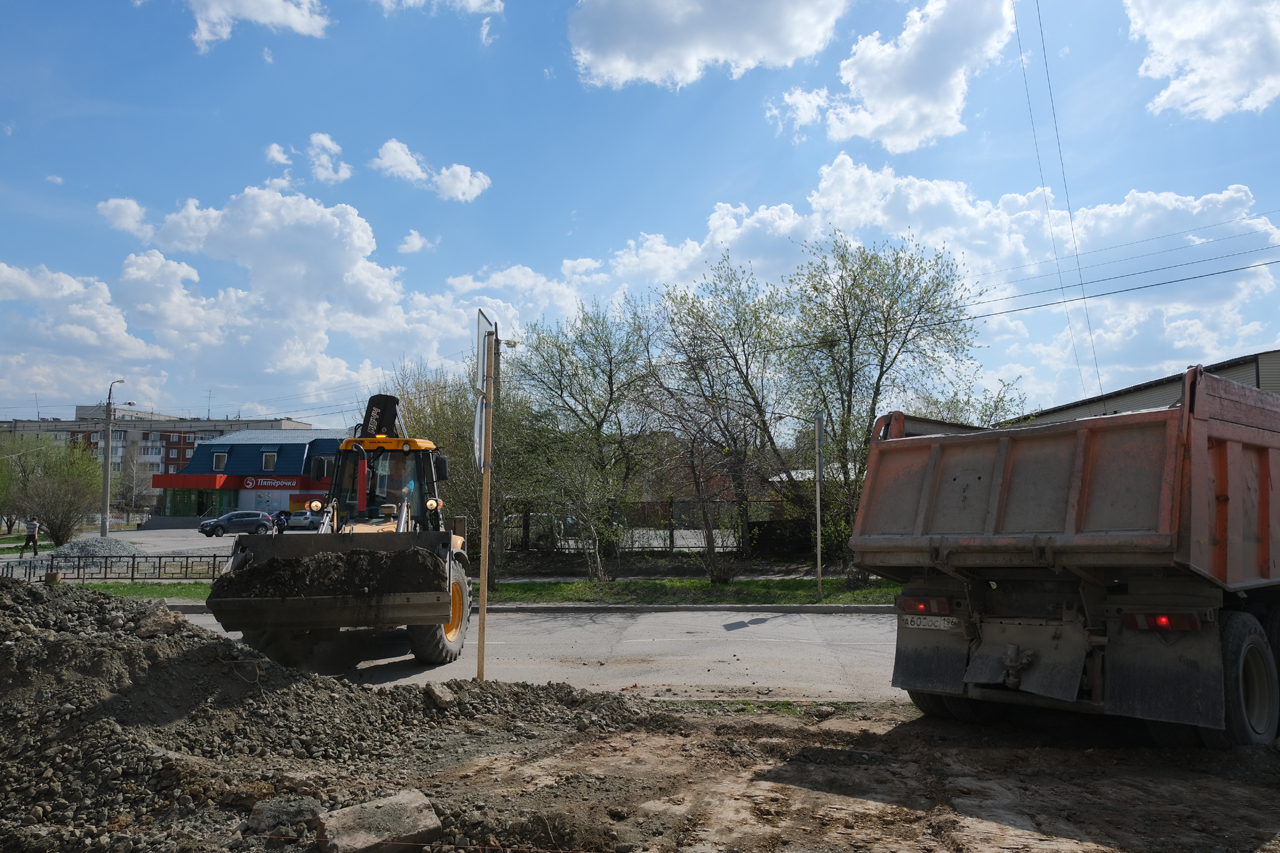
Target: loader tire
pixel 1251 689
pixel 439 644
pixel 289 648
pixel 930 704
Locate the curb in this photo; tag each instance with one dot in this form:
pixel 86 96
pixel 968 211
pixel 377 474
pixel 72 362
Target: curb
pixel 202 610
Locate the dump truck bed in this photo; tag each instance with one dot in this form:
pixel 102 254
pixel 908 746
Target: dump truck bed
pixel 1186 487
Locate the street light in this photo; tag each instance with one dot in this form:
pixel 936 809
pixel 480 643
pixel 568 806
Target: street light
pixel 105 444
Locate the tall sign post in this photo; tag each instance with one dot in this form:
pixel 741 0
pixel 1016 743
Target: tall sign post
pixel 817 489
pixel 486 344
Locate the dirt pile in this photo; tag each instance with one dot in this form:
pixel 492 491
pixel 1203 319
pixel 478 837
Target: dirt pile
pixel 353 573
pixel 123 731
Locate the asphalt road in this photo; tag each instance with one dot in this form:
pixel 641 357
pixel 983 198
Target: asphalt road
pixel 702 655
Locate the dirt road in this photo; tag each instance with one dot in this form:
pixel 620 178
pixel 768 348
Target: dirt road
pixel 124 730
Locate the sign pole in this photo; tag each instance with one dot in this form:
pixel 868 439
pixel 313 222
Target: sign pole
pixel 817 489
pixel 490 340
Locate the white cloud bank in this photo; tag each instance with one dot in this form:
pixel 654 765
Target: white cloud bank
pixel 1220 56
pixel 415 242
pixel 616 42
pixel 474 7
pixel 910 91
pixel 215 18
pixel 456 183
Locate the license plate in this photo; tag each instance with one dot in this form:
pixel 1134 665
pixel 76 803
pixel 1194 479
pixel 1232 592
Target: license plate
pixel 932 623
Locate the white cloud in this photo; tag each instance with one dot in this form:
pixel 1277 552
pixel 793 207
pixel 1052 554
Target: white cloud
pixel 1220 56
pixel 910 91
pixel 485 38
pixel 268 56
pixel 459 183
pixel 321 153
pixel 415 242
pixel 532 289
pixel 125 214
pixel 215 18
pixel 182 320
pixel 456 183
pixel 69 315
pixel 395 159
pixel 616 42
pixel 54 179
pixel 275 154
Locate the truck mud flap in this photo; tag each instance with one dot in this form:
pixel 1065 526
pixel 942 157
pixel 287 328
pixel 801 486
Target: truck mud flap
pixel 1173 677
pixel 932 660
pixel 1046 660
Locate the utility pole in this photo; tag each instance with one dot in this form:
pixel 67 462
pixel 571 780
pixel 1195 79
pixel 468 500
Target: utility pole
pixel 817 489
pixel 490 340
pixel 496 531
pixel 105 444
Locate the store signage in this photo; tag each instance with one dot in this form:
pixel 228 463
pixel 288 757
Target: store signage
pixel 270 482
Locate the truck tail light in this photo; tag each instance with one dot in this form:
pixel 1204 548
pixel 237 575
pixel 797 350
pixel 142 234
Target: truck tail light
pixel 1161 622
pixel 931 606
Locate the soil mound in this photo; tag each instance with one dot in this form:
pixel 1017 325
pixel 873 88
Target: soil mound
pixel 353 573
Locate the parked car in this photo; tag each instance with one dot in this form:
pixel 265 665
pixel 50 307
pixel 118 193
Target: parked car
pixel 305 519
pixel 240 521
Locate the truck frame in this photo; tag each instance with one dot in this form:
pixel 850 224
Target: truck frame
pixel 1124 564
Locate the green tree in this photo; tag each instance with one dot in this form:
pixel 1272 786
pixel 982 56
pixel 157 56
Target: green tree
pixel 876 328
pixel 9 507
pixel 585 379
pixel 61 485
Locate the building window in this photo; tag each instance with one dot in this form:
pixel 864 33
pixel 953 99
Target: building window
pixel 173 454
pixel 177 436
pixel 268 462
pixel 115 467
pixel 95 436
pixel 191 438
pixel 219 461
pixel 173 469
pixel 189 453
pixel 117 435
pixel 155 467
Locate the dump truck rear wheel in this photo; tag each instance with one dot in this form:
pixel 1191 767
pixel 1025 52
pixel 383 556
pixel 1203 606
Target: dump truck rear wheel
pixel 1251 689
pixel 1271 624
pixel 930 704
pixel 437 644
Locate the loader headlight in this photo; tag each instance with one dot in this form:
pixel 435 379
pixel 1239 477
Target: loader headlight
pixel 315 506
pixel 405 447
pixel 432 503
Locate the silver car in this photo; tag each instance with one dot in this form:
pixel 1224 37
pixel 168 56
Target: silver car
pixel 305 519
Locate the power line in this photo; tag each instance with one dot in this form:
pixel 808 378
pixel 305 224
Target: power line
pixel 1066 194
pixel 1127 274
pixel 1048 213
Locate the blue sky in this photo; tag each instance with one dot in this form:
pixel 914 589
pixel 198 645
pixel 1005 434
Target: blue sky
pixel 277 200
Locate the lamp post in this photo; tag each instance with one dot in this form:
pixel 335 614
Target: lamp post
pixel 105 444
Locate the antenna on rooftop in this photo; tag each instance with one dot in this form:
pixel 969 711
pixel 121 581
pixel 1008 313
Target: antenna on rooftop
pixel 37 396
pixel 208 405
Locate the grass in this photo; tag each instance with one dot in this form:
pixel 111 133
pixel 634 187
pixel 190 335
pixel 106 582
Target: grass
pixel 693 591
pixel 142 589
pixel 669 591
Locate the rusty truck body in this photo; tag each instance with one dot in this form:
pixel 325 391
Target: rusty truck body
pixel 1124 564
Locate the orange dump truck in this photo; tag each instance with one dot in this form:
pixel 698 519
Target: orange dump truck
pixel 1123 564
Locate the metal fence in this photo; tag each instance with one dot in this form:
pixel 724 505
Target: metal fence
pixel 670 525
pixel 152 567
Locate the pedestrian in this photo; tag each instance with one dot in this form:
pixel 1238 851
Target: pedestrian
pixel 33 537
pixel 281 522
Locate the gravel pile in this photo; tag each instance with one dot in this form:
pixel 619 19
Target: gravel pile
pixel 94 546
pixel 123 728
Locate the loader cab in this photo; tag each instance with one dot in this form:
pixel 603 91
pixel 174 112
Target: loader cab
pixel 395 471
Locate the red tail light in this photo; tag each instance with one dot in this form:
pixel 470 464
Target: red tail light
pixel 1161 622
pixel 930 606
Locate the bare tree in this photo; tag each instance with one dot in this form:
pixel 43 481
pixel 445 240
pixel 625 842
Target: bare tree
pixel 584 379
pixel 879 324
pixel 131 488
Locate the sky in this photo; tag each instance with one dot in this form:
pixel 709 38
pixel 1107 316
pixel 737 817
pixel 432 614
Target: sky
pixel 259 207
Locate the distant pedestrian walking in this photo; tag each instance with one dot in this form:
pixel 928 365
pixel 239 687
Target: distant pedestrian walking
pixel 33 537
